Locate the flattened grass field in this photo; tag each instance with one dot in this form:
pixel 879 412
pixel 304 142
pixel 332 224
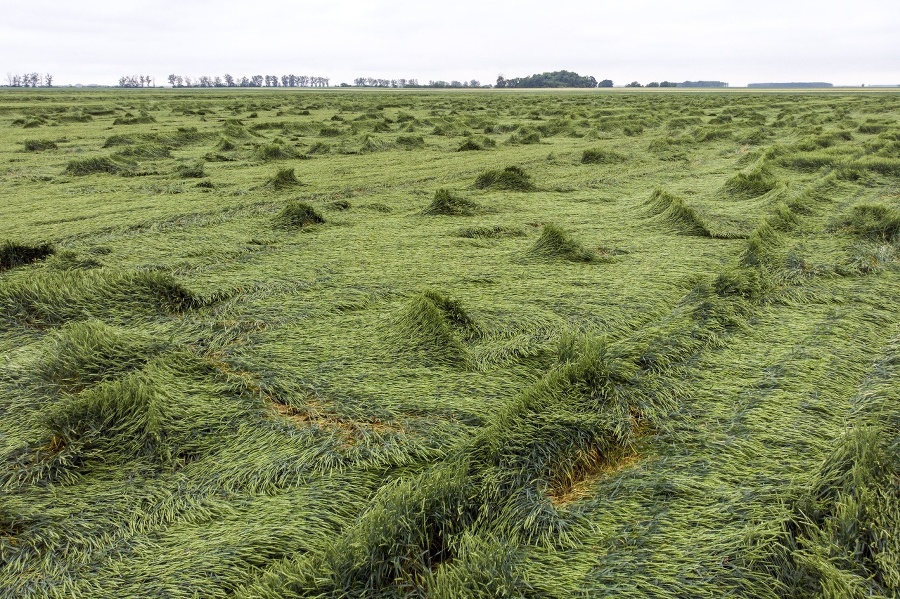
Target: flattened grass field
pixel 431 344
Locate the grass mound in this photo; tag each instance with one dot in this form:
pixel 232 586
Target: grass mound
pixel 672 210
pixel 274 151
pixel 752 184
pixel 103 164
pixel 58 296
pixel 39 145
pixel 283 179
pixel 193 170
pixel 489 232
pixel 14 254
pixel 436 325
pixel 555 243
pixel 445 203
pixel 874 221
pixel 296 215
pixel 134 120
pixel 511 178
pixel 82 354
pixel 601 156
pixel 764 247
pixel 410 142
pixel 226 144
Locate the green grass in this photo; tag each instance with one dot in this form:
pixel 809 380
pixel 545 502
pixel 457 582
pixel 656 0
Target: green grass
pixel 321 344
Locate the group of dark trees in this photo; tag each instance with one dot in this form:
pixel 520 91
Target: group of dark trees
pixel 554 79
pixel 253 81
pixel 29 80
pixel 137 81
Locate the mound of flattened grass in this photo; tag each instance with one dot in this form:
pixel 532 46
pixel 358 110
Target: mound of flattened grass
pixel 511 178
pixel 296 215
pixel 601 156
pixel 445 203
pixel 555 243
pixel 100 164
pixel 489 232
pixel 274 151
pixel 433 323
pixel 283 179
pixel 39 145
pixel 874 221
pixel 752 184
pixel 676 213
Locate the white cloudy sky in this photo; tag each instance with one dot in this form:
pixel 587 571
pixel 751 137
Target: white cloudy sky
pixel 92 41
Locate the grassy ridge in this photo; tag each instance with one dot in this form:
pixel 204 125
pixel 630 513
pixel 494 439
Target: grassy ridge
pixel 449 345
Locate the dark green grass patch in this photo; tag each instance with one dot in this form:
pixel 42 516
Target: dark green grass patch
pixel 134 120
pixel 448 204
pixel 874 221
pixel 490 232
pixel 511 178
pixel 601 156
pixel 285 178
pixel 274 151
pixel 14 254
pixel 296 215
pixel 39 145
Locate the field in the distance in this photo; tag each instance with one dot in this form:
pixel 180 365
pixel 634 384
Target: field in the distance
pixel 430 344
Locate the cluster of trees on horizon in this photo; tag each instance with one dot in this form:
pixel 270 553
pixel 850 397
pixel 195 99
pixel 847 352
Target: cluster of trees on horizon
pixel 554 79
pixel 29 80
pixel 398 83
pixel 252 81
pixel 538 80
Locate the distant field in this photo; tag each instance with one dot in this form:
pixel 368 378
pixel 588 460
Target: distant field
pixel 433 344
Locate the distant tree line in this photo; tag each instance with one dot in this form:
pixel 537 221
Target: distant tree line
pixel 252 81
pixel 29 80
pixel 554 79
pixel 793 84
pixel 137 81
pixel 652 84
pixel 702 84
pixel 373 82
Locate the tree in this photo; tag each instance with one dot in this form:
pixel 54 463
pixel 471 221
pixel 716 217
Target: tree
pixel 48 80
pixel 605 83
pixel 633 84
pixel 653 84
pixel 668 84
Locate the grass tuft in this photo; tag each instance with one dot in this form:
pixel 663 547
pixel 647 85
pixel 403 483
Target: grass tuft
pixel 511 178
pixel 601 156
pixel 555 243
pixel 490 232
pixel 296 215
pixel 283 179
pixel 749 185
pixel 874 221
pixel 445 203
pixel 39 145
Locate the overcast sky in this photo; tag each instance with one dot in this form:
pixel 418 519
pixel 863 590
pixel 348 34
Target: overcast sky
pixel 91 41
